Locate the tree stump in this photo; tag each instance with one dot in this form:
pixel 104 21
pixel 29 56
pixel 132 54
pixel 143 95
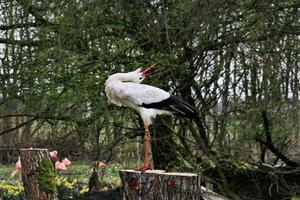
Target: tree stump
pixel 38 175
pixel 160 185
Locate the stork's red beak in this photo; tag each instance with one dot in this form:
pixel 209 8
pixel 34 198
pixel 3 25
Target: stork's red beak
pixel 148 71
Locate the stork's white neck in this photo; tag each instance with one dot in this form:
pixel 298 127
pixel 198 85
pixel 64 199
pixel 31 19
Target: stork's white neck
pixel 119 77
pixel 135 77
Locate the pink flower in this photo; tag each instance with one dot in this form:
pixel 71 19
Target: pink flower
pixel 18 165
pixel 53 155
pixel 67 162
pixel 18 168
pixel 100 164
pixel 60 166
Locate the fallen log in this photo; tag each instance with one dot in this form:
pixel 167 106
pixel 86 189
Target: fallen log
pixel 161 185
pixel 38 174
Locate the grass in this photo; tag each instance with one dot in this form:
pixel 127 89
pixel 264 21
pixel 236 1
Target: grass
pixel 82 172
pixel 5 171
pixel 78 171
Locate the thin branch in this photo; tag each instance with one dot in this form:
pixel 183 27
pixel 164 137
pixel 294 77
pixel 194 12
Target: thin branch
pixel 16 115
pixel 21 25
pixel 35 12
pixel 269 144
pixel 44 117
pixel 20 42
pixel 275 151
pixel 17 127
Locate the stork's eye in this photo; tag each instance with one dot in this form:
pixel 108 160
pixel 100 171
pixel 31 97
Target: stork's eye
pixel 140 78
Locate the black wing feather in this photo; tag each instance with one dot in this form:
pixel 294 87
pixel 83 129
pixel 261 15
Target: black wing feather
pixel 175 105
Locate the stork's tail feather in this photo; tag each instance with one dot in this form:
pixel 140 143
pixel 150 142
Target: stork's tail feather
pixel 176 106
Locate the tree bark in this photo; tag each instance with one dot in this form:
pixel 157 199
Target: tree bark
pixel 31 160
pixel 161 185
pixel 163 153
pixel 158 184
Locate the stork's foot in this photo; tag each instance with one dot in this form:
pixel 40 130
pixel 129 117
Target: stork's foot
pixel 143 169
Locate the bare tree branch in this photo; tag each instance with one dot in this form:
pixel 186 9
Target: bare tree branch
pixel 17 127
pixel 20 42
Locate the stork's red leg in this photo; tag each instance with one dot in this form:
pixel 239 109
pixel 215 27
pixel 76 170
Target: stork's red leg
pixel 146 165
pixel 147 148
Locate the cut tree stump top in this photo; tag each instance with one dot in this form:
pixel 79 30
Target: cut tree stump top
pixel 160 172
pixel 33 149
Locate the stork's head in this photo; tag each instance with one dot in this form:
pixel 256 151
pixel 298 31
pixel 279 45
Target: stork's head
pixel 141 73
pixel 136 76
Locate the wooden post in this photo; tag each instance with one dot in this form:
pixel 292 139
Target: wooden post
pixel 38 174
pixel 160 185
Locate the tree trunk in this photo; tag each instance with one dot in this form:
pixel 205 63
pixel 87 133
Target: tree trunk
pixel 163 153
pixel 158 184
pixel 161 185
pixel 38 174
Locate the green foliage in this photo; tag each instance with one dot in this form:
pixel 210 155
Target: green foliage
pixel 80 43
pixel 46 176
pixel 241 56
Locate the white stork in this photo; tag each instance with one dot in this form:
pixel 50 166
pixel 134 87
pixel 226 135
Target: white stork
pixel 125 89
